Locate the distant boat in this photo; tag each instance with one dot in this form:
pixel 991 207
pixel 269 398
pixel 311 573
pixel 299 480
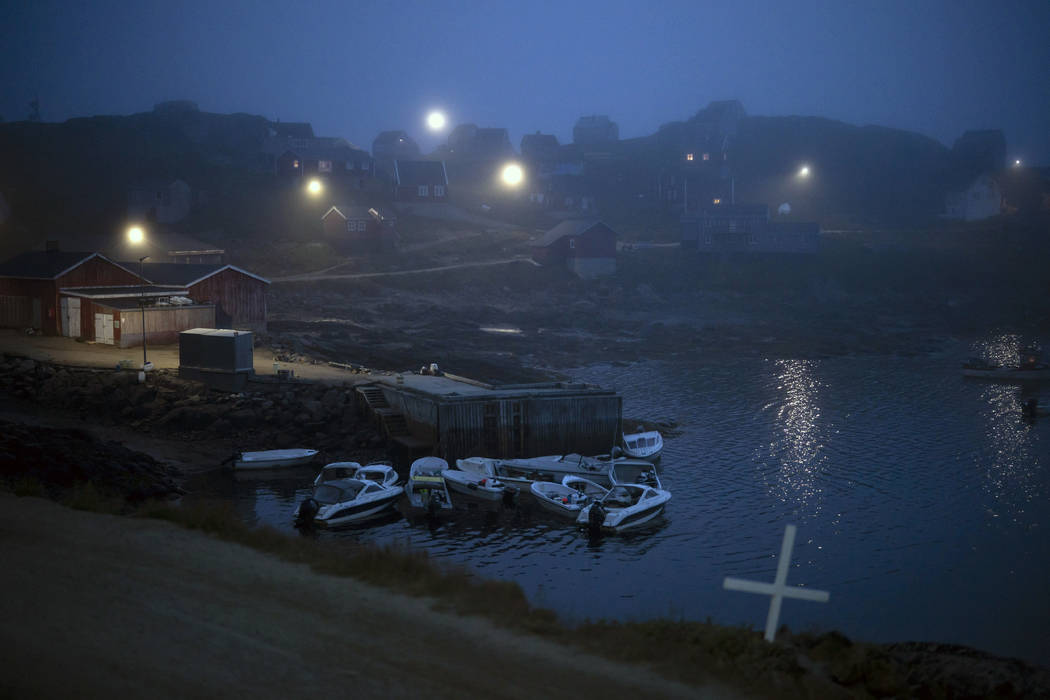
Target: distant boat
pixel 1027 372
pixel 270 459
pixel 645 445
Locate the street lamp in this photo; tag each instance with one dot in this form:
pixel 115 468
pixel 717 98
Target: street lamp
pixel 142 305
pixel 512 174
pixel 436 121
pixel 803 171
pixel 314 187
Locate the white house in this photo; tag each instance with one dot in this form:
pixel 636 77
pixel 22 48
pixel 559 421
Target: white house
pixel 982 199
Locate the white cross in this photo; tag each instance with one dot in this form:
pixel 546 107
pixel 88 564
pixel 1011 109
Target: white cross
pixel 778 589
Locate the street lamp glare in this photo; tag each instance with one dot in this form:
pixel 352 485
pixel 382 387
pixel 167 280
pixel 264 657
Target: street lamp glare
pixel 314 187
pixel 136 234
pixel 513 174
pixel 804 171
pixel 1017 162
pixel 436 121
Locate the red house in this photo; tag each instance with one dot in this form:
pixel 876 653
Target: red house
pixel 239 296
pixel 32 284
pixel 420 181
pixel 356 230
pixel 586 247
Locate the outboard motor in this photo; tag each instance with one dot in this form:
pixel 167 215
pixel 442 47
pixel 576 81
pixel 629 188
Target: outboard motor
pixel 595 518
pixel 433 503
pixel 510 495
pixel 307 510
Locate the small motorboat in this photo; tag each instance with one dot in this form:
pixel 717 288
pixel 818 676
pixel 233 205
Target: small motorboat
pixel 335 471
pixel 426 488
pixel 1030 369
pixel 381 473
pixel 482 486
pixel 271 459
pixel 633 473
pixel 348 501
pixel 568 497
pixel 625 506
pixel 643 445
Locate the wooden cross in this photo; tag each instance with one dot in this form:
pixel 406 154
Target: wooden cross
pixel 779 588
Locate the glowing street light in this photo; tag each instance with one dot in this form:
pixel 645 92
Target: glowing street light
pixel 512 174
pixel 314 187
pixel 136 235
pixel 436 121
pixel 1017 163
pixel 803 171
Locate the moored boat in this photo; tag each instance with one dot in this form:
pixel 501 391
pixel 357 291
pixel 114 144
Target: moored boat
pixel 626 506
pixel 476 485
pixel 334 471
pixel 1030 369
pixel 558 498
pixel 271 459
pixel 644 445
pixel 426 488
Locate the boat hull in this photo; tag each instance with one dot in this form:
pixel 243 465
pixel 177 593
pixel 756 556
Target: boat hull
pixel 1002 374
pixel 360 512
pixel 471 487
pixel 273 459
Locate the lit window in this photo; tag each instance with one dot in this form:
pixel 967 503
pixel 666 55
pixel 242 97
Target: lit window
pixel 688 156
pixel 295 164
pixel 324 166
pixel 707 156
pixel 716 200
pixel 423 191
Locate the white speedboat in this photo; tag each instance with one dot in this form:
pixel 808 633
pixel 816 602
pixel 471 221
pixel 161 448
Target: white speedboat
pixel 625 506
pixel 335 471
pixel 559 498
pixel 426 487
pixel 482 486
pixel 270 459
pixel 642 473
pixel 348 501
pixel 643 445
pixel 525 471
pixel 587 487
pixel 378 472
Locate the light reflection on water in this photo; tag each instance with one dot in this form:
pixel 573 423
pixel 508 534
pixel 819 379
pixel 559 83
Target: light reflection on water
pixel 919 496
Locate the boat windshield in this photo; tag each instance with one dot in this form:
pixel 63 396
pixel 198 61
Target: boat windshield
pixel 327 494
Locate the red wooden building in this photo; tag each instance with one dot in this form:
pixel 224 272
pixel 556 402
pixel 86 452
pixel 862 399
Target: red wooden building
pixel 239 296
pixel 586 247
pixel 31 287
pixel 355 230
pixel 420 181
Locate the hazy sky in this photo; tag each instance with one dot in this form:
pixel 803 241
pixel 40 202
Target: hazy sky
pixel 356 68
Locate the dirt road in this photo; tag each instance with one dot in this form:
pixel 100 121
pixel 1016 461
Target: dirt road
pixel 103 606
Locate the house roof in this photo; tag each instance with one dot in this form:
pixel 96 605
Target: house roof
pixel 301 130
pixel 49 265
pixel 125 292
pixel 420 172
pixel 569 227
pixel 187 275
pixel 737 210
pixel 348 211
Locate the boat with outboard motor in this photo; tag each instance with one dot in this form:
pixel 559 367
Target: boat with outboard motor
pixel 426 488
pixel 552 468
pixel 625 506
pixel 368 493
pixel 635 473
pixel 1030 369
pixel 483 486
pixel 559 498
pixel 272 459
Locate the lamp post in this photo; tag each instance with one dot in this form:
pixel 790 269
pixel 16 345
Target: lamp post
pixel 142 305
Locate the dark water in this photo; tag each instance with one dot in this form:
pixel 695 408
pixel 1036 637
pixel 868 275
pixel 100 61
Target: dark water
pixel 921 501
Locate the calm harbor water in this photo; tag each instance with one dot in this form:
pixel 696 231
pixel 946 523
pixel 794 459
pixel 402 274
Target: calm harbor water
pixel 921 501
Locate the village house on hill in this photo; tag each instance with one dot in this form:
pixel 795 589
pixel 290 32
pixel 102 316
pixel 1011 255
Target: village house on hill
pixel 87 295
pixel 538 149
pixel 420 181
pixel 595 130
pixel 586 247
pixel 160 245
pixel 747 229
pixel 162 201
pixel 981 200
pixel 359 230
pixel 390 146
